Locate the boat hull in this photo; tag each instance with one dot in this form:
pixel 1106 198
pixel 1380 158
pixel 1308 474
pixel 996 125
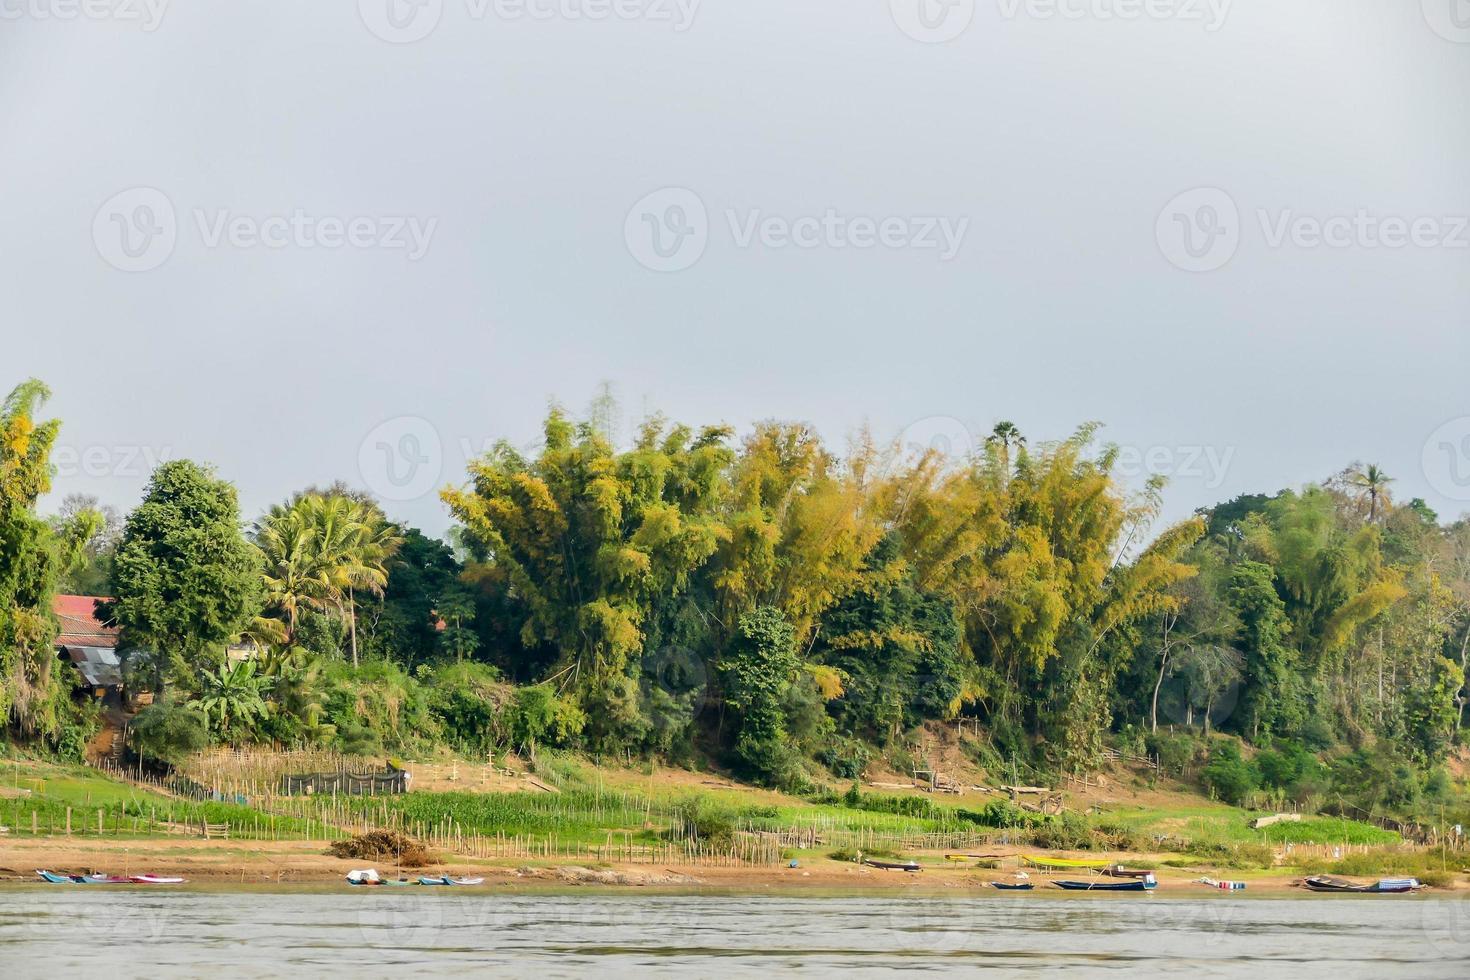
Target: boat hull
pixel 1110 886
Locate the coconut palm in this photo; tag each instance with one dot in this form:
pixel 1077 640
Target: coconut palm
pixel 354 544
pixel 295 577
pixel 320 551
pixel 1371 483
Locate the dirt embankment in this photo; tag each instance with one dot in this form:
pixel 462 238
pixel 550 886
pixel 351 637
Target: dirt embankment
pixel 303 862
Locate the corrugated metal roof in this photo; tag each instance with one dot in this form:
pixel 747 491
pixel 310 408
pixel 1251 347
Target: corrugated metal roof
pixel 98 666
pixel 79 623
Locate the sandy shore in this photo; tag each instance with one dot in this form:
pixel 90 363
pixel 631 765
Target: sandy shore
pixel 287 862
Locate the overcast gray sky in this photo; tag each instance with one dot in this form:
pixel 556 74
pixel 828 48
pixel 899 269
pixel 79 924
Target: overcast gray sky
pixel 310 241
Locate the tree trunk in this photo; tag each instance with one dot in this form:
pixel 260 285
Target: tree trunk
pixel 352 625
pixel 1460 695
pixel 1163 667
pixel 1153 714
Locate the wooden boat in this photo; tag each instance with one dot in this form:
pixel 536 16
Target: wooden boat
pixel 893 865
pixel 1137 885
pixel 1042 862
pixel 1006 886
pixel 1118 871
pixel 446 880
pixel 1383 886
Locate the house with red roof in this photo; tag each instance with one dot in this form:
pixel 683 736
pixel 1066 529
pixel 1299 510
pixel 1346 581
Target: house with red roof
pixel 87 643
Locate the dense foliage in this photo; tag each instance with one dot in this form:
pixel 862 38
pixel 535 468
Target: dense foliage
pixel 781 610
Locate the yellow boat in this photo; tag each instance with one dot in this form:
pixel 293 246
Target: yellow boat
pixel 1042 862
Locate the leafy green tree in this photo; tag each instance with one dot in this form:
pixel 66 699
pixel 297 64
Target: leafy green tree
pixel 187 581
pixel 1228 775
pixel 537 716
pixel 758 669
pixel 897 650
pixel 1272 698
pixel 586 542
pixel 168 731
pixel 457 611
pixel 404 625
pixel 30 696
pixel 89 532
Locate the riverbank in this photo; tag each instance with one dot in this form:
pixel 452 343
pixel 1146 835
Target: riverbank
pixel 307 862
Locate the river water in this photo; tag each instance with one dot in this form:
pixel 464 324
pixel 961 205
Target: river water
pixel 94 931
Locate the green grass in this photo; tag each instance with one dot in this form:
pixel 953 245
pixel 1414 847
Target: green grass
pixel 127 810
pixel 1428 866
pixel 1217 824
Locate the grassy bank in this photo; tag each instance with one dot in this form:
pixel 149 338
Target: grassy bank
pixel 676 812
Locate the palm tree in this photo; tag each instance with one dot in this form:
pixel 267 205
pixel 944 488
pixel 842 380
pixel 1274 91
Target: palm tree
pixel 1371 483
pixel 354 545
pixel 455 609
pixel 295 578
pixel 320 551
pixel 232 695
pixel 1002 438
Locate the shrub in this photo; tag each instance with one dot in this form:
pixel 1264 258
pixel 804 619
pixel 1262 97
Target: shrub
pixel 1226 855
pixel 168 731
pixel 845 758
pixel 359 740
pixel 466 699
pixel 1176 752
pixel 1066 832
pixel 1002 813
pixel 537 715
pixel 1229 776
pixel 712 825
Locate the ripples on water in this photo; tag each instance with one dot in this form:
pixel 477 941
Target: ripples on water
pixel 95 931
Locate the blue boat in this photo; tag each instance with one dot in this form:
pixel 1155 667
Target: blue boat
pixel 446 880
pixel 1139 885
pixel 57 879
